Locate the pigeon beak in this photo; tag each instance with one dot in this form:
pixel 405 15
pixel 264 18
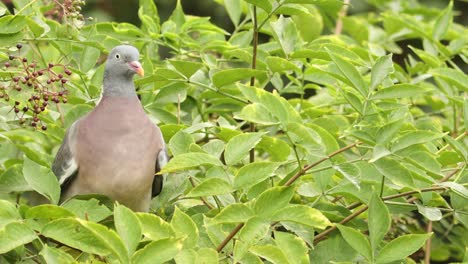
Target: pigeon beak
pixel 136 67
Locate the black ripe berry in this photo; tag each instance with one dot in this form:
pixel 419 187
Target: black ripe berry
pixel 33 124
pixel 11 57
pixel 19 46
pixel 25 60
pixel 44 127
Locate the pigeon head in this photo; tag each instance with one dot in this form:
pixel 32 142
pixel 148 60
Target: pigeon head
pixel 122 63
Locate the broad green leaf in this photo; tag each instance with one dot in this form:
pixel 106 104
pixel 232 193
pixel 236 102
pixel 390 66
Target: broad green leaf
pixel 156 252
pixel 209 187
pixel 273 200
pixel 56 255
pixel 14 235
pixel 278 149
pixel 48 211
pixel 234 10
pixel 389 131
pixel 234 213
pixel 8 213
pixel 185 228
pixel 87 236
pixel 277 64
pixel 89 58
pixel 412 138
pixel 257 113
pixel 351 173
pixel 12 24
pixel 263 4
pixel 379 152
pixel 442 23
pixel 88 209
pixel 356 240
pixel 403 90
pixel 186 161
pixel 462 149
pixel 42 180
pixel 12 180
pixel 187 68
pixel 302 214
pixel 293 247
pixel 380 70
pixel 379 221
pixel 128 227
pixel 285 32
pixel 207 256
pixel 254 230
pixel 350 72
pixel 431 213
pixel 180 143
pixel 394 171
pixel 154 227
pixel 172 93
pixel 229 76
pixel 401 247
pixel 254 173
pixel 148 14
pixel 451 75
pixel 238 147
pixel 271 253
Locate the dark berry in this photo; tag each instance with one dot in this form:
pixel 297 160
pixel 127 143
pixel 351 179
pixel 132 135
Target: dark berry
pixel 64 100
pixel 45 103
pixel 40 73
pixel 19 46
pixel 68 72
pixel 44 127
pixel 29 84
pixel 25 109
pixel 17 103
pixel 7 64
pixel 49 81
pixel 60 93
pixel 11 57
pixel 34 74
pixel 17 110
pixel 33 124
pixel 42 108
pixel 36 119
pixel 26 78
pixel 64 81
pixel 25 60
pixel 45 97
pixel 60 76
pixel 18 88
pixel 51 65
pixel 16 79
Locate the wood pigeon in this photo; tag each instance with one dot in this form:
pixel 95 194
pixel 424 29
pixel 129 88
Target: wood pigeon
pixel 115 150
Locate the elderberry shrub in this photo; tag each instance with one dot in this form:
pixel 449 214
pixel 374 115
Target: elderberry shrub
pixel 41 85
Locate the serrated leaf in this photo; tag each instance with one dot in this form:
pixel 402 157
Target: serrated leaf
pixel 229 76
pixel 14 235
pixel 350 72
pixel 394 171
pixel 277 64
pixel 41 179
pixel 234 213
pixel 401 247
pixel 412 138
pixel 380 70
pixel 157 252
pixel 254 230
pixel 8 213
pixel 210 187
pixel 379 221
pixel 442 23
pixel 257 113
pixel 48 211
pixel 356 240
pixel 128 227
pixel 263 4
pixel 254 173
pixel 285 32
pixel 55 255
pixel 154 227
pixel 294 248
pixel 271 253
pixel 272 200
pixel 451 75
pixel 186 161
pixel 431 213
pixel 187 68
pixel 238 147
pixel 234 10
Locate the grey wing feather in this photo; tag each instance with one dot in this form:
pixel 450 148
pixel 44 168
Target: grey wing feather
pixel 65 166
pixel 158 180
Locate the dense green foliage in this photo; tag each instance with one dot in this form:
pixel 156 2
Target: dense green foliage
pixel 292 140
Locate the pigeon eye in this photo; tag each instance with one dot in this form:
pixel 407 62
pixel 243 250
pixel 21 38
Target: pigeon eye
pixel 117 56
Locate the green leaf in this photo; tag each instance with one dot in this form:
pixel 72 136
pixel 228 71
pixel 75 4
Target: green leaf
pixel 14 235
pixel 257 113
pixel 398 91
pixel 293 247
pixel 234 10
pixel 350 171
pixel 271 253
pixel 401 247
pixel 89 209
pixel 87 236
pixel 263 4
pixel 89 58
pixel 48 211
pixel 278 149
pixel 285 32
pixel 157 252
pixel 273 200
pixel 277 64
pixel 238 147
pixel 443 23
pixel 356 240
pixel 210 187
pixel 302 214
pixel 254 173
pixel 180 143
pixel 389 131
pixel 350 73
pixel 254 230
pixel 234 213
pixel 185 228
pixel 42 180
pixel 394 171
pixel 187 68
pixel 431 213
pixel 379 221
pixel 453 76
pixel 229 76
pixel 55 255
pixel 12 180
pixel 148 14
pixel 128 227
pixel 412 138
pixel 154 227
pixel 186 161
pixel 12 24
pixel 8 213
pixel 380 70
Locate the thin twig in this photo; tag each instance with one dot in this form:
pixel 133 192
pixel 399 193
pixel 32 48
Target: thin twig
pixel 427 251
pixel 339 20
pixel 254 66
pixel 229 237
pixel 204 201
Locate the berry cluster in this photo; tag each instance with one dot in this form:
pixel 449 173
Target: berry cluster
pixel 42 85
pixel 65 9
